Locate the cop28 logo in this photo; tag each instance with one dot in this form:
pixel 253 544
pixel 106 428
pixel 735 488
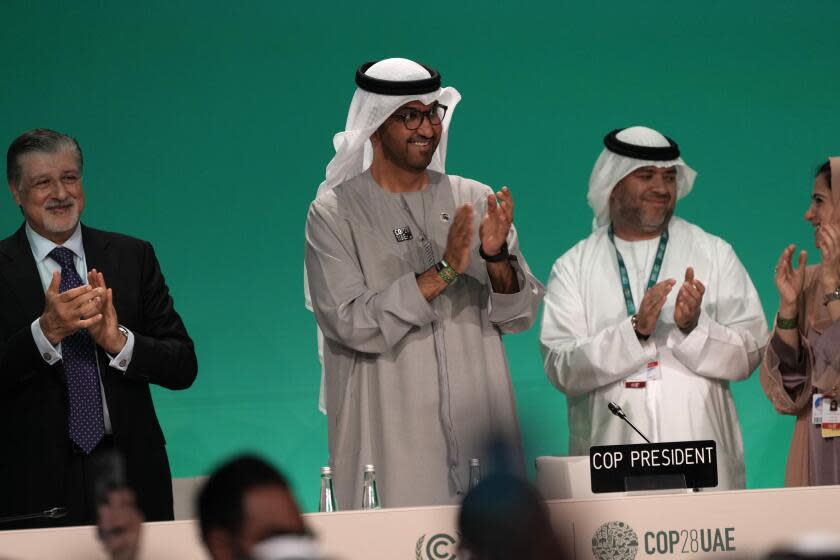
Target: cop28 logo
pixel 437 547
pixel 615 540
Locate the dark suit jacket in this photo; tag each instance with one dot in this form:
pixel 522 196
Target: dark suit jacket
pixel 34 442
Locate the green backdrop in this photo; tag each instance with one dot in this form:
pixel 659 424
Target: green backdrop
pixel 207 127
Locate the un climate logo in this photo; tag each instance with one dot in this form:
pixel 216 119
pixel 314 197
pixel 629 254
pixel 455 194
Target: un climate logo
pixel 438 547
pixel 615 540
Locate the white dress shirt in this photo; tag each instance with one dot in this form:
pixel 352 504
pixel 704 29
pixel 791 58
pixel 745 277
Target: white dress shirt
pixel 41 248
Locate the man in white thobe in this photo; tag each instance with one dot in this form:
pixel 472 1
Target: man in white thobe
pixel 650 312
pixel 414 275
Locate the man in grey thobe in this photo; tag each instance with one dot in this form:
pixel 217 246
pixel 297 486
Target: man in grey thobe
pixel 413 275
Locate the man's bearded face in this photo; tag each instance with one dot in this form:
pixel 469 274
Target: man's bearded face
pixel 645 199
pixel 411 150
pixel 50 192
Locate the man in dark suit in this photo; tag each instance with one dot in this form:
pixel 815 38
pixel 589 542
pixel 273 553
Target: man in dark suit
pixel 87 324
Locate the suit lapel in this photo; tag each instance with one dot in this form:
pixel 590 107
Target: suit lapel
pixel 98 254
pixel 21 274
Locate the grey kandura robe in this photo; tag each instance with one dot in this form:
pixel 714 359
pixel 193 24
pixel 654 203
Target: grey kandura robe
pixel 413 387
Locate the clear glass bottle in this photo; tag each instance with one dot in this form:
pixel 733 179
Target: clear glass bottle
pixel 475 473
pixel 370 497
pixel 327 501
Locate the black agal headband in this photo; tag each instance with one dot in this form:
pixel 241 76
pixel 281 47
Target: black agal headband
pixel 664 153
pixel 388 87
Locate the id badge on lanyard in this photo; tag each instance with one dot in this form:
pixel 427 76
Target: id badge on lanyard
pixel 639 380
pixel 830 416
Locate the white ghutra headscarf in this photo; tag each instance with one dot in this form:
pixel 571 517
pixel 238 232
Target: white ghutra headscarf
pixel 368 110
pixel 627 150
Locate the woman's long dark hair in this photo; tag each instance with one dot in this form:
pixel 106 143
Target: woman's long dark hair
pixel 825 169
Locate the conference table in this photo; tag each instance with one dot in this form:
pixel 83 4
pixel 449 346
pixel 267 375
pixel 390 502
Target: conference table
pixel 746 523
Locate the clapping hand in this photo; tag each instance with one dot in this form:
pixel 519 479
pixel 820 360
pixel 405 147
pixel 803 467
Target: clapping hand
pixel 459 239
pixel 689 300
pixel 828 240
pixel 71 310
pixel 495 225
pixel 651 306
pixel 106 333
pixel 790 281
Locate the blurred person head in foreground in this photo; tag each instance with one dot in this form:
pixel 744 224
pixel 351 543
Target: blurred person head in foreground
pixel 816 545
pixel 246 510
pixel 504 517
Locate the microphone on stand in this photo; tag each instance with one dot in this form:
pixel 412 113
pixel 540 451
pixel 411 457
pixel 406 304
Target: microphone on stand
pixel 52 513
pixel 615 409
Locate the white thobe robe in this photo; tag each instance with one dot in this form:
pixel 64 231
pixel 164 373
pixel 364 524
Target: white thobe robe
pixel 590 348
pixel 413 387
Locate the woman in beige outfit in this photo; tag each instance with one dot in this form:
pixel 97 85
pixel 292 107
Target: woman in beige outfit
pixel 803 357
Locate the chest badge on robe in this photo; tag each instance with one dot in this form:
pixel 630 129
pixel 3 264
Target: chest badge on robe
pixel 444 217
pixel 403 233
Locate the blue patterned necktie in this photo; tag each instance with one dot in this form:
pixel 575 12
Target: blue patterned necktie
pixel 81 374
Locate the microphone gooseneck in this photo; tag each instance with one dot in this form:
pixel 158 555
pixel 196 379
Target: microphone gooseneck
pixel 52 513
pixel 615 409
pixel 56 512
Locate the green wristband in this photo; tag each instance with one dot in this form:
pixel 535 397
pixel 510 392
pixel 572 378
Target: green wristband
pixel 783 323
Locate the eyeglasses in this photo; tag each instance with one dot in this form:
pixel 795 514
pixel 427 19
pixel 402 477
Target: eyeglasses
pixel 413 118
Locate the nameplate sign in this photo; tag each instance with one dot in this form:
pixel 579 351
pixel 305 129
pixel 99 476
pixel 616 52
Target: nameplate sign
pixel 653 466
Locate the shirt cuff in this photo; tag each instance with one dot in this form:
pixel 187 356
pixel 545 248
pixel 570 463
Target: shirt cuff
pixel 694 342
pixel 505 306
pixel 122 360
pixel 51 354
pixel 521 279
pixel 789 359
pixel 632 340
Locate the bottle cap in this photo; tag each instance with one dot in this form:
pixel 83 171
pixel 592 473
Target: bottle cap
pixel 326 470
pixel 474 462
pixel 370 468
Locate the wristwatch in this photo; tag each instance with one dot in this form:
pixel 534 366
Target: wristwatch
pixel 831 296
pixel 635 323
pixel 446 272
pixel 502 255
